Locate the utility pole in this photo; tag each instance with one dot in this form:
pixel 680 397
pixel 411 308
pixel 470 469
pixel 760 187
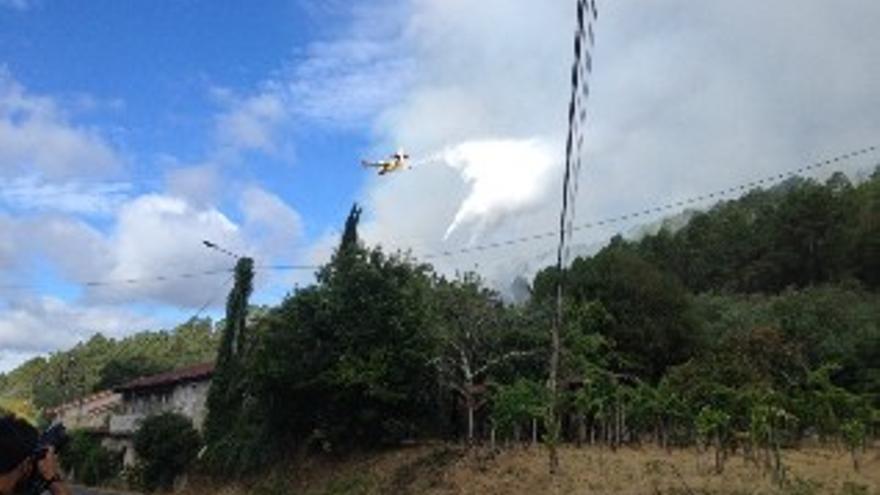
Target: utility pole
pixel 583 65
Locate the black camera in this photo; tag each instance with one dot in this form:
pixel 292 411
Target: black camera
pixel 54 437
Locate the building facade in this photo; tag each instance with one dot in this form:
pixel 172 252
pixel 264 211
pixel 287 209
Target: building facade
pixel 91 413
pixel 183 391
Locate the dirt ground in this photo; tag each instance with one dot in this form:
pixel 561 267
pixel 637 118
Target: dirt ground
pixel 446 470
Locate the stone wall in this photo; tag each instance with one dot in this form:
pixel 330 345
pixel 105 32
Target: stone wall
pixel 188 399
pixel 191 400
pixel 89 413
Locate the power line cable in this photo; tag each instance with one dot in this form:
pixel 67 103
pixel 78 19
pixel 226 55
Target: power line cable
pixel 165 277
pixel 211 300
pixel 644 212
pixel 659 208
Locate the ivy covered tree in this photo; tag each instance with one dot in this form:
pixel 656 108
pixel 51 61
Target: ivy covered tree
pixel 348 362
pixel 167 445
pixel 228 391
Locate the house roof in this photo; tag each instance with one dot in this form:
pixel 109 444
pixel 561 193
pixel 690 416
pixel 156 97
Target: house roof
pixel 95 403
pixel 191 373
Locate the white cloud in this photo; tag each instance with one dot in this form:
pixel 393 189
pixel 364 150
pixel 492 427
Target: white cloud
pixel 36 137
pixel 79 250
pixel 686 98
pixel 200 184
pixel 156 242
pixel 151 254
pixel 269 222
pixel 251 123
pixel 344 83
pixel 9 360
pixel 7 242
pixel 42 324
pixel 158 235
pixel 31 193
pixel 338 84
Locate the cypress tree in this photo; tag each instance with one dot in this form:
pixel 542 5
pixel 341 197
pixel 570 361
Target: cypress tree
pixel 227 387
pixel 350 235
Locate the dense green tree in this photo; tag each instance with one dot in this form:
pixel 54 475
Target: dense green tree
pixel 87 461
pixel 349 233
pixel 652 322
pixel 348 362
pixel 228 392
pixel 119 371
pixel 520 405
pixel 166 445
pixel 475 340
pixel 797 234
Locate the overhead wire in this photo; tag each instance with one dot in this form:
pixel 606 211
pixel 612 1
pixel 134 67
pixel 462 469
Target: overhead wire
pixel 211 300
pixel 165 277
pixel 601 222
pixel 656 209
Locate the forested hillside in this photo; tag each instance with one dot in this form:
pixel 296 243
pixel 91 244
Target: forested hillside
pixel 102 363
pixel 798 234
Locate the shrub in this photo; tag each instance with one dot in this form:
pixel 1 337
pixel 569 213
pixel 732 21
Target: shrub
pixel 89 462
pixel 166 445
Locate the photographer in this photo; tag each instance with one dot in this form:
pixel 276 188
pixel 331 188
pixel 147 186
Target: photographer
pixel 19 458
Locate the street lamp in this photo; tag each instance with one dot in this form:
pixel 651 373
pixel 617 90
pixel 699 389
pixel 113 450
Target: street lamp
pixel 219 249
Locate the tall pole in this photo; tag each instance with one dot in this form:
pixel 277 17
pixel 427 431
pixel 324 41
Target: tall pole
pixel 582 65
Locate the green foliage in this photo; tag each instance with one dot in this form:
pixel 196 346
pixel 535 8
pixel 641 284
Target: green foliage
pixel 712 424
pixel 652 325
pixel 799 233
pixel 167 445
pixel 226 397
pixel 758 318
pixel 854 434
pixel 90 463
pixel 479 341
pixel 519 404
pixel 100 363
pixel 769 424
pixel 349 233
pixel 349 360
pixel 120 371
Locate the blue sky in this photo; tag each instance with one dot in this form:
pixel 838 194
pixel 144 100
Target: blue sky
pixel 138 92
pixel 131 130
pixel 152 69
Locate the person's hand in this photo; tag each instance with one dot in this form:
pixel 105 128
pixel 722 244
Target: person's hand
pixel 48 465
pixel 50 472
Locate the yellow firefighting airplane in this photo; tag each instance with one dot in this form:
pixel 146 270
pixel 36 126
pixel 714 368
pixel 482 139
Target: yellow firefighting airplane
pixel 395 162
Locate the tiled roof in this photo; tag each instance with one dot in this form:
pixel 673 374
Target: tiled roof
pixel 191 373
pixel 86 402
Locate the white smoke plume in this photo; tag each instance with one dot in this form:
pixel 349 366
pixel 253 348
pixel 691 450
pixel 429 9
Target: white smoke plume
pixel 504 178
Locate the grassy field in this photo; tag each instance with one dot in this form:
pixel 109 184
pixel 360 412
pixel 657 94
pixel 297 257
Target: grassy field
pixel 442 469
